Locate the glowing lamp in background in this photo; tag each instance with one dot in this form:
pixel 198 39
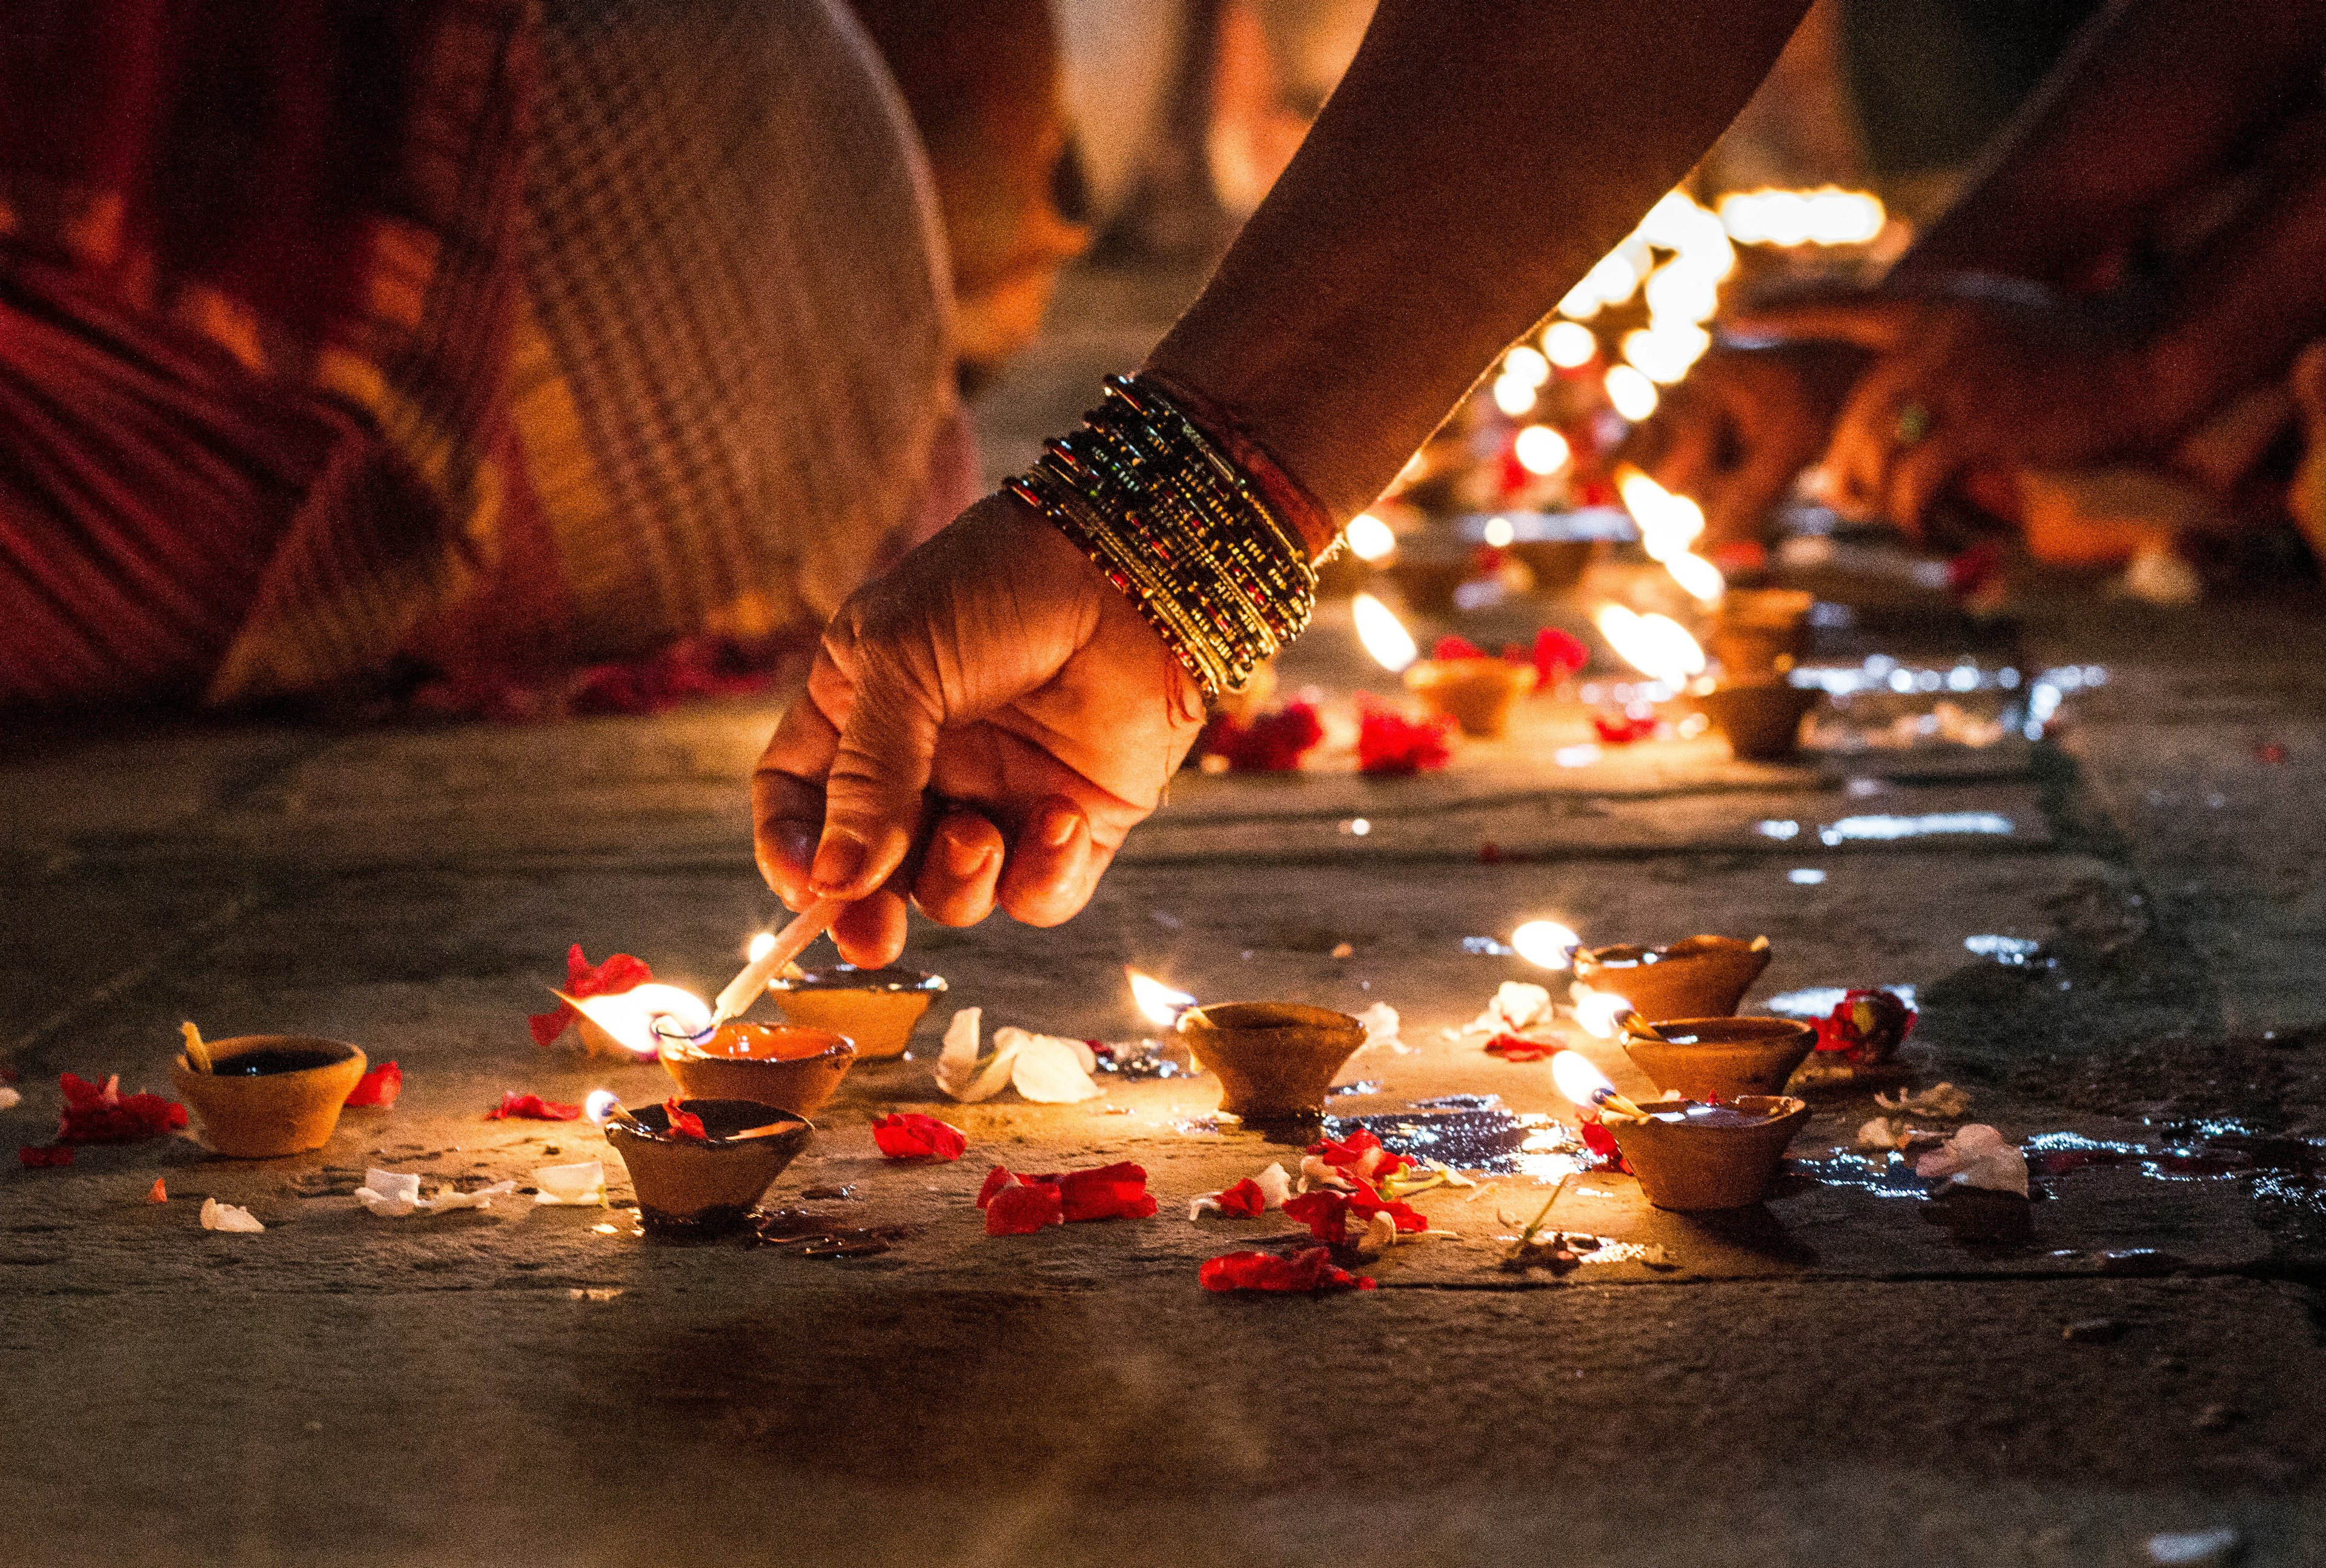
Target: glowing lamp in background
pixel 1569 344
pixel 1370 538
pixel 642 1018
pixel 1383 634
pixel 1599 1011
pixel 1512 396
pixel 1498 533
pixel 1700 577
pixel 1678 291
pixel 1668 524
pixel 1546 943
pixel 1541 450
pixel 1630 393
pixel 1825 216
pixel 1586 1085
pixel 1665 351
pixel 1526 364
pixel 1159 1003
pixel 1656 646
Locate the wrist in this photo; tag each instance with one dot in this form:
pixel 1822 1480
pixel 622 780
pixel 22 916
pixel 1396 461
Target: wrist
pixel 1311 523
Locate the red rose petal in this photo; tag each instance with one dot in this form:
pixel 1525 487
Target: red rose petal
pixel 1556 655
pixel 910 1136
pixel 1391 744
pixel 1622 729
pixel 1245 1198
pixel 527 1108
pixel 1601 1141
pixel 378 1087
pixel 1518 1048
pixel 1456 648
pixel 1325 1213
pixel 1116 1191
pixel 1359 1154
pixel 996 1179
pixel 1305 1273
pixel 159 1193
pixel 102 1114
pixel 684 1124
pixel 1020 1209
pixel 40 1155
pixel 1271 743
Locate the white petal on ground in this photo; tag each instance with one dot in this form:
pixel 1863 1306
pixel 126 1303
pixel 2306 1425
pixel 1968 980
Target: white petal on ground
pixel 1977 1156
pixel 1380 1235
pixel 218 1216
pixel 1517 1005
pixel 448 1199
pixel 1884 1132
pixel 1315 1174
pixel 1380 1022
pixel 388 1194
pixel 1275 1185
pixel 1940 1101
pixel 960 1073
pixel 1046 1069
pixel 583 1183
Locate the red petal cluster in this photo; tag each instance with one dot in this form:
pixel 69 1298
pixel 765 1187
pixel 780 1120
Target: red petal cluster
pixel 1359 1154
pixel 1309 1272
pixel 1866 1026
pixel 1519 1048
pixel 1389 743
pixel 41 1156
pixel 101 1114
pixel 910 1136
pixel 378 1087
pixel 1456 648
pixel 1326 1213
pixel 1116 1191
pixel 529 1107
pixel 619 973
pixel 685 1123
pixel 1557 655
pixel 1618 728
pixel 1271 743
pixel 1601 1141
pixel 1245 1199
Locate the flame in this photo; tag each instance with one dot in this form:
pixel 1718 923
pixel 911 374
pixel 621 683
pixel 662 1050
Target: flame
pixel 1630 393
pixel 760 946
pixel 1368 537
pixel 1668 524
pixel 1679 291
pixel 1526 364
pixel 1599 1011
pixel 1699 576
pixel 600 1105
pixel 1569 344
pixel 1825 216
pixel 1512 396
pixel 1665 350
pixel 641 1017
pixel 1499 531
pixel 1546 943
pixel 1655 646
pixel 1579 1081
pixel 1159 1002
pixel 1383 635
pixel 1541 450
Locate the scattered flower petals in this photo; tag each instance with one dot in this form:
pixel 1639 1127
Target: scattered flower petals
pixel 910 1136
pixel 1519 1048
pixel 1243 1200
pixel 41 1156
pixel 1977 1156
pixel 1116 1191
pixel 1456 648
pixel 1019 1209
pixel 9 1098
pixel 1270 743
pixel 581 1185
pixel 1380 1235
pixel 378 1087
pixel 1556 655
pixel 1866 1026
pixel 1601 1141
pixel 218 1216
pixel 1619 728
pixel 1390 744
pixel 448 1199
pixel 960 1073
pixel 1379 1023
pixel 159 1193
pixel 1884 1132
pixel 1049 1069
pixel 390 1194
pixel 1359 1154
pixel 685 1123
pixel 1942 1102
pixel 102 1114
pixel 1316 1173
pixel 1310 1272
pixel 618 973
pixel 1327 1211
pixel 531 1108
pixel 1518 1006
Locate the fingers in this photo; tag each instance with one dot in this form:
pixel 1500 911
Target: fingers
pixel 1921 472
pixel 788 799
pixel 872 794
pixel 871 931
pixel 1879 324
pixel 958 872
pixel 1050 873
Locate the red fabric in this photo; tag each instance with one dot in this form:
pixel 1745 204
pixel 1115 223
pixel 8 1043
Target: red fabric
pixel 1388 743
pixel 1271 743
pixel 1304 1273
pixel 41 1155
pixel 378 1087
pixel 620 972
pixel 685 1123
pixel 910 1136
pixel 531 1108
pixel 1519 1048
pixel 101 1114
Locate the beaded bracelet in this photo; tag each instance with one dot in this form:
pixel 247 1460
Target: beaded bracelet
pixel 1177 528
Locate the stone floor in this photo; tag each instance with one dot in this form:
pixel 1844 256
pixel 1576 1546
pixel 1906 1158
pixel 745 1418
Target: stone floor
pixel 1832 1378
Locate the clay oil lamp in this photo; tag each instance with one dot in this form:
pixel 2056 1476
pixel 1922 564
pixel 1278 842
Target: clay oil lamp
pixel 1275 1060
pixel 1763 631
pixel 1473 688
pixel 704 1174
pixel 1760 719
pixel 875 1009
pixel 1426 569
pixel 1718 1058
pixel 1689 1156
pixel 258 1096
pixel 786 1065
pixel 1556 547
pixel 1701 977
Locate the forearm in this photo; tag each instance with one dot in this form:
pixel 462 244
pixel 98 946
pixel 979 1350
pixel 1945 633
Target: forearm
pixel 2153 97
pixel 1472 164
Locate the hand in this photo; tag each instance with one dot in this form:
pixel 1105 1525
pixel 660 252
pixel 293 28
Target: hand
pixel 1994 373
pixel 992 702
pixel 1737 432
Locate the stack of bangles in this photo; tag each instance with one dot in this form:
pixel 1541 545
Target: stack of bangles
pixel 1180 529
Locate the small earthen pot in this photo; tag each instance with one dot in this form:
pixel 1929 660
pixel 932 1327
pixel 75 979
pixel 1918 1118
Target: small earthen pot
pixel 1704 977
pixel 1272 1059
pixel 875 1009
pixel 1427 575
pixel 688 1187
pixel 1475 693
pixel 1761 631
pixel 1557 564
pixel 1760 719
pixel 1710 1157
pixel 1722 1058
pixel 784 1065
pixel 269 1094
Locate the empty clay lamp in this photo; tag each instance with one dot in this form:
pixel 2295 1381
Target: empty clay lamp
pixel 1761 631
pixel 1689 1155
pixel 1762 718
pixel 1702 976
pixel 786 1065
pixel 875 1009
pixel 1721 1058
pixel 1272 1059
pixel 702 1186
pixel 257 1095
pixel 1477 693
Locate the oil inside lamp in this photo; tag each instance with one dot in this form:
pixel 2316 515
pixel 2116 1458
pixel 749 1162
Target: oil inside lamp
pixel 1545 944
pixel 1161 1005
pixel 1383 635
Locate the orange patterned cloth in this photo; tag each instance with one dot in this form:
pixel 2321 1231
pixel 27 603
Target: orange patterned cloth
pixel 499 335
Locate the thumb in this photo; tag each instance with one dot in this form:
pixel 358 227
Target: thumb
pixel 873 796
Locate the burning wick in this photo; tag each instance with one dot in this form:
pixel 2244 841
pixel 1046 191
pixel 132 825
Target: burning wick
pixel 642 1018
pixel 604 1105
pixel 1162 1006
pixel 198 1055
pixel 1586 1085
pixel 1545 944
pixel 780 949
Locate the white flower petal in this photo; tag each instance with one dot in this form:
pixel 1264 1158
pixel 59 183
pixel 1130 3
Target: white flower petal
pixel 218 1216
pixel 1048 1069
pixel 583 1183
